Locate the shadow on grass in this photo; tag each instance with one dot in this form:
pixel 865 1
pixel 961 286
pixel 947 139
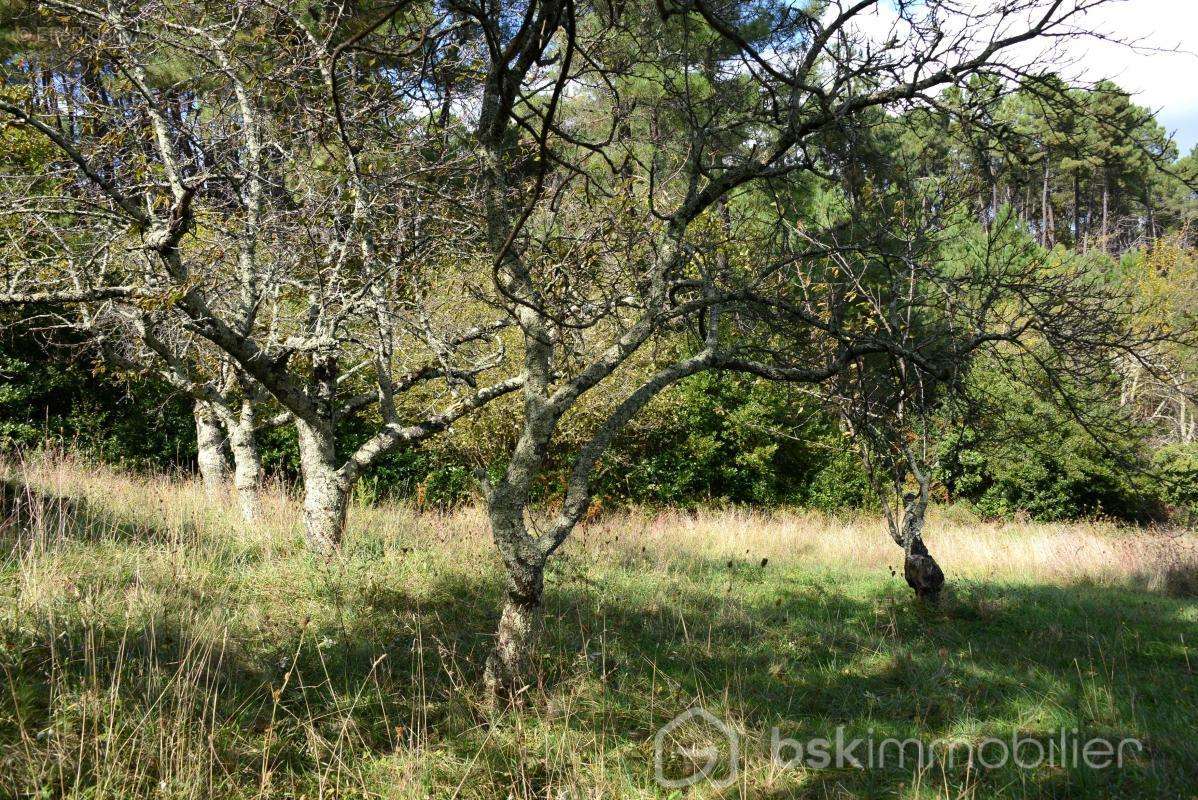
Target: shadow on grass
pixel 996 659
pixel 366 669
pixel 30 517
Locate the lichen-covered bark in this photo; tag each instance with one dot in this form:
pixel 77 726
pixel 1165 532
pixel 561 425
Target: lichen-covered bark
pixel 210 448
pixel 247 466
pixel 326 492
pixel 508 672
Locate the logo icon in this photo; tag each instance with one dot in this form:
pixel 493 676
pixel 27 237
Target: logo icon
pixel 699 755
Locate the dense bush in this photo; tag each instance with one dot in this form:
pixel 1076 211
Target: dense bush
pixel 1027 456
pixel 71 401
pixel 729 438
pixel 1175 468
pixel 713 439
pixel 1061 475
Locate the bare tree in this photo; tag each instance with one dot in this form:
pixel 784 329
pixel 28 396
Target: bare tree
pixel 228 405
pixel 252 202
pixel 888 406
pixel 617 223
pixel 85 239
pixel 622 196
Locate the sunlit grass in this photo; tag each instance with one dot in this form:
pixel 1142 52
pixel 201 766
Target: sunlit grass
pixel 153 645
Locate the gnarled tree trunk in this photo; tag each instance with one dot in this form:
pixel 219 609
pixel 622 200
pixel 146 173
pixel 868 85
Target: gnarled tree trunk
pixel 210 448
pixel 508 672
pixel 247 466
pixel 920 570
pixel 509 666
pixel 326 492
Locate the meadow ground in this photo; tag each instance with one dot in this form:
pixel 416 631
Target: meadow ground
pixel 151 645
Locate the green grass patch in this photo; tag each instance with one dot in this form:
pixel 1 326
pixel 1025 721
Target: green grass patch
pixel 139 662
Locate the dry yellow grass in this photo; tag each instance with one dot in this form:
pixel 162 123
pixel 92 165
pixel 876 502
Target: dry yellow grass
pixel 1096 551
pixel 154 645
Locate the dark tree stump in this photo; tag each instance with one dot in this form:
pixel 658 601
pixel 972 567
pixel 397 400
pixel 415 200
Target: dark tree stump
pixel 922 572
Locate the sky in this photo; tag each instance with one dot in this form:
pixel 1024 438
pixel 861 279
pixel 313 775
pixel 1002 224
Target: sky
pixel 1155 58
pixel 1166 82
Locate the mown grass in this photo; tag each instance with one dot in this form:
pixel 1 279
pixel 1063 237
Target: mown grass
pixel 151 645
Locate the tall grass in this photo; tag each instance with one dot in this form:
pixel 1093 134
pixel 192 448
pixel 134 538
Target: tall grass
pixel 177 512
pixel 154 645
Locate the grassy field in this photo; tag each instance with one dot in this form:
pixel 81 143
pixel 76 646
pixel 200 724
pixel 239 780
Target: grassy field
pixel 153 646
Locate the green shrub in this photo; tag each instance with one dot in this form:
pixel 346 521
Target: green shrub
pixel 1029 457
pixel 56 402
pixel 729 438
pixel 1175 469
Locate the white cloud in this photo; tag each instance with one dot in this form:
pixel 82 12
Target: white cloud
pixel 1150 50
pixel 1163 80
